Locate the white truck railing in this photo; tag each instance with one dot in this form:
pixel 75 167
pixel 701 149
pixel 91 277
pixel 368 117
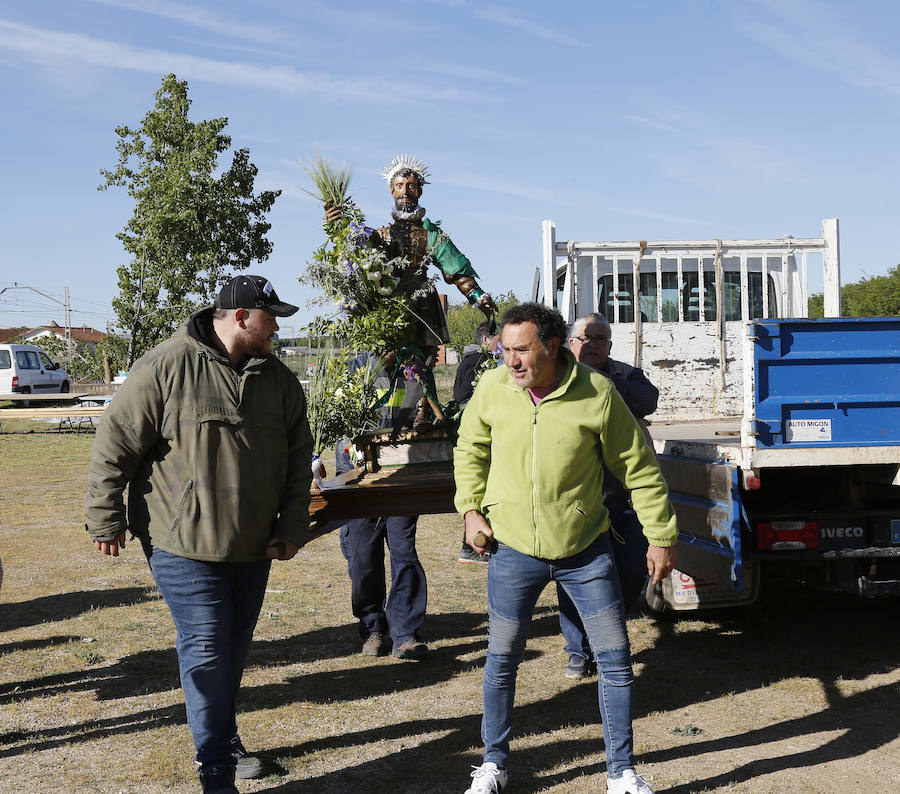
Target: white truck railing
pixel 680 306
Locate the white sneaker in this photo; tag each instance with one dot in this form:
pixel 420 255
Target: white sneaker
pixel 629 783
pixel 488 779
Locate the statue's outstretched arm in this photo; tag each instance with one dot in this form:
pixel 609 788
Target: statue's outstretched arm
pixel 473 293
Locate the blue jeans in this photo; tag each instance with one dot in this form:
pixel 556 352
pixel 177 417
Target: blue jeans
pixel 401 613
pixel 515 581
pixel 630 552
pixel 215 606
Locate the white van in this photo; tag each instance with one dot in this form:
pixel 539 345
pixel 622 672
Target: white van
pixel 26 369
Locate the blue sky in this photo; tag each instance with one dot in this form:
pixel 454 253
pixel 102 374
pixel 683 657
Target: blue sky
pixel 687 119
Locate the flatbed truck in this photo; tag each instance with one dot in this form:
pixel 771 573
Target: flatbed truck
pixel 778 435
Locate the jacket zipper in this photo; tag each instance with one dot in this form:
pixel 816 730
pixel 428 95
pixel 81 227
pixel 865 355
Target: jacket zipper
pixel 182 503
pixel 534 522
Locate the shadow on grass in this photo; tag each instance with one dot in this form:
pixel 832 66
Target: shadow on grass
pixel 148 672
pixel 444 763
pixel 63 606
pixel 822 636
pixel 33 645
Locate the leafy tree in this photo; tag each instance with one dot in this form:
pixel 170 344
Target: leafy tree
pixel 87 361
pixel 816 305
pixel 190 229
pixel 871 296
pixel 462 320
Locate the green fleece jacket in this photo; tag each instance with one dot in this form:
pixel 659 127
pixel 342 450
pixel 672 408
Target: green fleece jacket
pixel 534 471
pixel 217 460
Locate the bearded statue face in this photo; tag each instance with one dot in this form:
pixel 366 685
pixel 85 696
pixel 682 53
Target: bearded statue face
pixel 406 190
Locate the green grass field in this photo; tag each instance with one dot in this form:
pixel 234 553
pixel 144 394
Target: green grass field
pixel 800 693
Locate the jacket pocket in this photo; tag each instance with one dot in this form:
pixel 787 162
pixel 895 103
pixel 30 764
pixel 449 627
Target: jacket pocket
pixel 489 508
pixel 186 493
pixel 561 527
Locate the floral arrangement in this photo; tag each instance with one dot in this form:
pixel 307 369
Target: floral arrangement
pixel 341 401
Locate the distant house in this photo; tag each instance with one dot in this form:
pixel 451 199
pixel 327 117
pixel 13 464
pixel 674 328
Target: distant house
pixel 8 334
pixel 85 338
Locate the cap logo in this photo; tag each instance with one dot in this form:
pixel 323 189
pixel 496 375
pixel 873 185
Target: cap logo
pixel 268 289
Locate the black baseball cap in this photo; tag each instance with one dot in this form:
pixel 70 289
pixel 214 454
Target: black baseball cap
pixel 253 292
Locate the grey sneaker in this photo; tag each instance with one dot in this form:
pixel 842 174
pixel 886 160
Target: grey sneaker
pixel 247 767
pixel 579 667
pixel 629 783
pixel 488 779
pixel 468 554
pixel 374 645
pixel 413 648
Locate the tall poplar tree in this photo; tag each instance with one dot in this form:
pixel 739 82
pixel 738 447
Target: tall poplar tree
pixel 190 229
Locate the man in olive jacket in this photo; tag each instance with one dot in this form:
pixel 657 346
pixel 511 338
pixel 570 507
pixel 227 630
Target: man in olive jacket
pixel 209 432
pixel 529 475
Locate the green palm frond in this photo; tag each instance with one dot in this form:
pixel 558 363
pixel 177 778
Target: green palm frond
pixel 332 182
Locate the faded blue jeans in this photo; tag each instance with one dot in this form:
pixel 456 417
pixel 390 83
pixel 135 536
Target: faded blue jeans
pixel 630 553
pixel 215 606
pixel 515 581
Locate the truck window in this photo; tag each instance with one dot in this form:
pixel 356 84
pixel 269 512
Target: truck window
pixel 756 301
pixel 606 299
pixel 46 363
pixel 669 297
pixel 731 295
pixel 5 360
pixel 692 292
pixel 647 284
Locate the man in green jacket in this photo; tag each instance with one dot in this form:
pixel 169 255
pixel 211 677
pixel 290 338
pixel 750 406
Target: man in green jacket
pixel 209 432
pixel 529 479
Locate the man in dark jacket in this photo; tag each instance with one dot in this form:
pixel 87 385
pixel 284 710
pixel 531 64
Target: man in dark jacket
pixel 209 432
pixel 484 349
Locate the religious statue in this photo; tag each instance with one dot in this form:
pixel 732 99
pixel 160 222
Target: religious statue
pixel 413 242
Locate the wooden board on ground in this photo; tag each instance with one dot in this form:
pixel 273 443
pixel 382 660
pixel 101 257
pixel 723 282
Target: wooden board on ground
pixel 50 413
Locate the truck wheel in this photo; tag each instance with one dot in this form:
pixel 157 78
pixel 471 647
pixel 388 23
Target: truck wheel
pixel 652 603
pixel 64 387
pixel 26 403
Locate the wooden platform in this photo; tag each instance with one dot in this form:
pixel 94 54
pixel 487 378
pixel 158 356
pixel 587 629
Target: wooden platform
pixel 416 489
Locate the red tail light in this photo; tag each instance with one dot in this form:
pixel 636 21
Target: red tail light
pixel 15 383
pixel 782 535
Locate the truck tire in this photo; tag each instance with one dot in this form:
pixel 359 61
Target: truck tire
pixel 64 387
